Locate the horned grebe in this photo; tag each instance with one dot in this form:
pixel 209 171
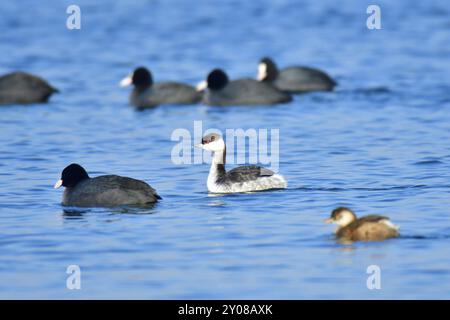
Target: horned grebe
pixel 103 191
pixel 294 79
pixel 240 179
pixel 222 92
pixel 23 88
pixel 367 228
pixel 147 94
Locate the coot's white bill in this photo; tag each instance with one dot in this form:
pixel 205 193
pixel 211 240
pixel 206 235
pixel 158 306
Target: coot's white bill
pixel 202 85
pixel 128 80
pixel 262 71
pixel 58 184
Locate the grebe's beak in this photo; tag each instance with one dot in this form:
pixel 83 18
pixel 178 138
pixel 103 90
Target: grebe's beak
pixel 201 86
pixel 58 184
pixel 199 145
pixel 125 82
pixel 329 220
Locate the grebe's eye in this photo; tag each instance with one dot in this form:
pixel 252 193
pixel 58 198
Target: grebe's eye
pixel 204 141
pixel 212 138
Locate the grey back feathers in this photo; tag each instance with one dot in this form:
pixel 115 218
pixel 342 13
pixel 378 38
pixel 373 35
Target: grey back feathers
pixel 244 174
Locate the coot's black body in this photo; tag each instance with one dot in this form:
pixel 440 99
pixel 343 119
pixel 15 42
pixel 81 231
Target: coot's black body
pixel 24 88
pixel 147 94
pixel 222 92
pixel 103 191
pixel 295 79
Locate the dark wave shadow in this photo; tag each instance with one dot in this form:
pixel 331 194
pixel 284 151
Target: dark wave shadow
pixel 334 189
pixel 425 237
pixel 77 212
pixel 74 213
pixel 428 162
pixel 370 91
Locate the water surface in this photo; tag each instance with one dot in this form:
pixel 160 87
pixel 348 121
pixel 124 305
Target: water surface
pixel 379 144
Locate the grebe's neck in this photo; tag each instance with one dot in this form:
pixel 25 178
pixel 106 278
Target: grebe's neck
pixel 217 169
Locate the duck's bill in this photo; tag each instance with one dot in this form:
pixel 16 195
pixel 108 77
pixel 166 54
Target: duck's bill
pixel 58 184
pixel 329 220
pixel 125 82
pixel 201 86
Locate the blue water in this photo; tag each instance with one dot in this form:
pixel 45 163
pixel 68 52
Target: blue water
pixel 379 144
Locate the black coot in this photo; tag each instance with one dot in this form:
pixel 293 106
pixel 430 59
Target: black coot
pixel 103 191
pixel 24 88
pixel 294 79
pixel 222 92
pixel 147 94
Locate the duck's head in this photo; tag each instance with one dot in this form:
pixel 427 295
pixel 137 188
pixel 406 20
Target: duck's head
pixel 341 216
pixel 71 175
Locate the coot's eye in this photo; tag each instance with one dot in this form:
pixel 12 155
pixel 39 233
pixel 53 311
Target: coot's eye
pixel 212 138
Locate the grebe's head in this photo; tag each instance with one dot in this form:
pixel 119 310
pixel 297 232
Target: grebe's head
pixel 141 78
pixel 71 175
pixel 212 142
pixel 341 216
pixel 267 70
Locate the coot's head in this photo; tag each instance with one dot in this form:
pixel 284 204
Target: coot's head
pixel 267 70
pixel 140 78
pixel 71 175
pixel 341 216
pixel 216 80
pixel 212 142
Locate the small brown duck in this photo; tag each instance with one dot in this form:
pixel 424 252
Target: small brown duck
pixel 367 228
